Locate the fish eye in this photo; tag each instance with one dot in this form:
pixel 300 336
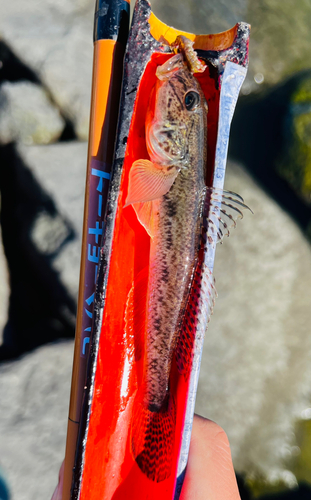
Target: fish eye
pixel 192 100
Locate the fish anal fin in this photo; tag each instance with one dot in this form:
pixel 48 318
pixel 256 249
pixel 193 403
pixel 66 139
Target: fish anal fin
pixel 199 306
pixel 135 312
pixel 221 211
pixel 153 439
pixel 147 215
pixel 148 181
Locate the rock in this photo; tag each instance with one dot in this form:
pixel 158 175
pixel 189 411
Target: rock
pixel 12 69
pixel 256 367
pixel 60 170
pixel 34 395
pixel 280 36
pixel 214 16
pixel 280 39
pixel 42 197
pixel 280 120
pixel 28 115
pixel 294 161
pixel 55 40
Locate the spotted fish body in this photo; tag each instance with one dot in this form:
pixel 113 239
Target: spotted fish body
pixel 167 193
pixel 181 145
pixel 183 217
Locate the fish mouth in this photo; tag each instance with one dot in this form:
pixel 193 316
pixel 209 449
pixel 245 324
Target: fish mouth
pixel 166 144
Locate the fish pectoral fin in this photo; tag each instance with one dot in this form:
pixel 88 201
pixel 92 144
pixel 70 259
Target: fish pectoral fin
pixel 200 305
pixel 146 214
pixel 221 211
pixel 153 438
pixel 148 182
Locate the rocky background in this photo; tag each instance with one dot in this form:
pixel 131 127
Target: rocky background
pixel 256 368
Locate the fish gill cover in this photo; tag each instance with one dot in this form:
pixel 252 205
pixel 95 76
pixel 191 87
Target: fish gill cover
pixel 155 290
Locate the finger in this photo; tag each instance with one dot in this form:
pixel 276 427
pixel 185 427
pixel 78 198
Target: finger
pixel 57 495
pixel 210 474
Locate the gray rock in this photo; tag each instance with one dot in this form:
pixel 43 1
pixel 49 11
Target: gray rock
pixel 200 16
pixel 256 367
pixel 34 399
pixel 61 170
pixel 55 39
pixel 28 115
pixel 292 162
pixel 280 36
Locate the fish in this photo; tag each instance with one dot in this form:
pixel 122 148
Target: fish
pixel 182 217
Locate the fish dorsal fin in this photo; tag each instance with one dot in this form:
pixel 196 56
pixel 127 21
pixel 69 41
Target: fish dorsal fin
pixel 221 211
pixel 148 181
pixel 147 215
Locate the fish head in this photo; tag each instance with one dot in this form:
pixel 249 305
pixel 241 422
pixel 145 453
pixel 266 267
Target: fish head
pixel 177 109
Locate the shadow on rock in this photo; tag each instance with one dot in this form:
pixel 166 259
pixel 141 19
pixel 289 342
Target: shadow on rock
pixel 12 69
pixel 33 232
pixel 264 139
pixel 303 492
pixel 243 489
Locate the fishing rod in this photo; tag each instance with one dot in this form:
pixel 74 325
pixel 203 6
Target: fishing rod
pixel 111 25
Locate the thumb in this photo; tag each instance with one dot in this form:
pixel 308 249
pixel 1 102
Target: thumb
pixel 210 474
pixel 57 495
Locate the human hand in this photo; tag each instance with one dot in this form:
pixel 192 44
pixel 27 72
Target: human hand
pixel 57 495
pixel 209 475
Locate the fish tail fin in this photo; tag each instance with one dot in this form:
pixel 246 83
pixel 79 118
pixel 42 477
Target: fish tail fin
pixel 153 439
